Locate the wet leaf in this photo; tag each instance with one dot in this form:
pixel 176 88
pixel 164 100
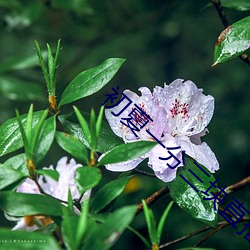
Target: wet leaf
pixel 90 81
pixel 126 152
pixel 233 41
pixel 191 201
pixel 10 135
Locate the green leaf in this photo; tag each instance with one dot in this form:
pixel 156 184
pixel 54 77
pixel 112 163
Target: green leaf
pixel 162 221
pixel 10 136
pixel 43 65
pixel 233 41
pixel 28 127
pixel 37 132
pixel 99 122
pixel 151 223
pixel 82 223
pixel 70 201
pixel 127 152
pixel 46 137
pixel 108 193
pixel 53 174
pixel 92 127
pixel 16 240
pixel 20 204
pixel 84 125
pixel 107 139
pixel 90 81
pixel 74 228
pixel 191 201
pixel 73 146
pixel 241 5
pixel 105 235
pixel 87 177
pixel 9 176
pixel 69 230
pixel 19 90
pixel 18 162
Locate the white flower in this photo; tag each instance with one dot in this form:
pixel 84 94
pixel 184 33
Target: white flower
pixel 58 189
pixel 180 114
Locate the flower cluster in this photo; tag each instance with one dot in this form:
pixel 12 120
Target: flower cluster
pixel 58 189
pixel 180 113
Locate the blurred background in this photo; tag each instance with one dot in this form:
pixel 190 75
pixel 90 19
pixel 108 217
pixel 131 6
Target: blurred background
pixel 161 41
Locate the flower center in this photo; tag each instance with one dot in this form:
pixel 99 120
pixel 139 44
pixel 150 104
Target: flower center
pixel 180 110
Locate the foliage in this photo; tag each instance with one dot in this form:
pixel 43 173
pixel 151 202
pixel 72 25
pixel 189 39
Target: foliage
pixel 102 211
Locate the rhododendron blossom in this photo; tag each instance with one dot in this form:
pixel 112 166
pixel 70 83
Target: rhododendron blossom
pixel 58 189
pixel 180 114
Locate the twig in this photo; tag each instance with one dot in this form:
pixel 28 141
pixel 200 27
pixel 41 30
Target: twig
pixel 185 237
pixel 144 173
pixel 226 23
pixel 238 185
pixel 152 198
pixel 221 226
pixel 42 192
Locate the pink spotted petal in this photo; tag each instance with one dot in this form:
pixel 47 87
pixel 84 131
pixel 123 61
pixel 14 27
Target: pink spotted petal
pixel 189 110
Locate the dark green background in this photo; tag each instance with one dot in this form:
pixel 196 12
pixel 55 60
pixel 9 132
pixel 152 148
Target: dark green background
pixel 162 41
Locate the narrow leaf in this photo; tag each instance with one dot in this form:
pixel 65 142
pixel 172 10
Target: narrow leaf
pixel 42 63
pixel 148 220
pixel 107 138
pixel 127 152
pixel 37 131
pixel 90 81
pixel 82 223
pixel 105 235
pixel 108 193
pixel 99 122
pixel 162 221
pixel 92 127
pixel 46 138
pixel 28 126
pixel 73 146
pixel 10 136
pixel 84 125
pixel 87 177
